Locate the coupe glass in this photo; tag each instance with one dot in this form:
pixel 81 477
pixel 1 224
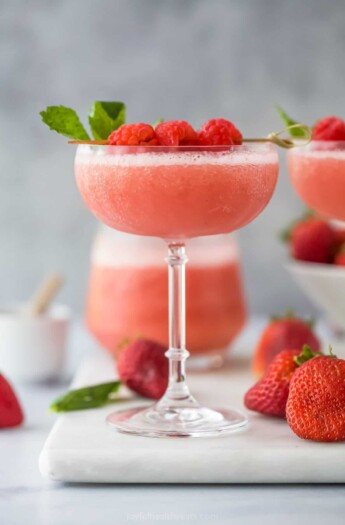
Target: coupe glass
pixel 317 173
pixel 176 194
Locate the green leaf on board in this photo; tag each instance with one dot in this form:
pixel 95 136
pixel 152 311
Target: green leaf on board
pixel 86 397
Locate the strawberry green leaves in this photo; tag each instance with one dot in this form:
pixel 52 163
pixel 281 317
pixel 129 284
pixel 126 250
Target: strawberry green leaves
pixel 288 121
pixel 105 117
pixel 306 354
pixel 87 397
pixel 64 121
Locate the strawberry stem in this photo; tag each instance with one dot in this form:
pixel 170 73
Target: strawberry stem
pixel 330 350
pixel 290 314
pixel 306 354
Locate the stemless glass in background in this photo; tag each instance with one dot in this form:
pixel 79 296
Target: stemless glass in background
pixel 128 293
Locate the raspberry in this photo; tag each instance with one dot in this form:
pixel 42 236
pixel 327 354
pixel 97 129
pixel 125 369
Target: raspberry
pixel 133 135
pixel 329 128
pixel 143 367
pixel 219 132
pixel 176 133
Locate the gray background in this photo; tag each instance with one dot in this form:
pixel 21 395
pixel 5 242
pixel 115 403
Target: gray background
pixel 192 59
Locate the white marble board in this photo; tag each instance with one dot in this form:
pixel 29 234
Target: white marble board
pixel 82 448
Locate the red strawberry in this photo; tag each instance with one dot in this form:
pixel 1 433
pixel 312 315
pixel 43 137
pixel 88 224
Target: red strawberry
pixel 339 259
pixel 313 240
pixel 281 334
pixel 143 367
pixel 316 404
pixel 340 235
pixel 269 395
pixel 329 128
pixel 11 414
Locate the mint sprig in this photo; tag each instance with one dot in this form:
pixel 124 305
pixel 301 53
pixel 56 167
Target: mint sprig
pixel 288 121
pixel 87 397
pixel 105 117
pixel 64 121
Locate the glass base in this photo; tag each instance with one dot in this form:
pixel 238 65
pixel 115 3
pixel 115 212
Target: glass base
pixel 177 422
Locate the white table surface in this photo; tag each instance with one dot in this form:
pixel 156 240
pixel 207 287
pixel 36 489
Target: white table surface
pixel 26 498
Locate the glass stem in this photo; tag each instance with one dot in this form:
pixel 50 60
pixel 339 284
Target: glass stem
pixel 177 354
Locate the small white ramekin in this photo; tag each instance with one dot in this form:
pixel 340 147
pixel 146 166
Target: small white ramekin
pixel 33 348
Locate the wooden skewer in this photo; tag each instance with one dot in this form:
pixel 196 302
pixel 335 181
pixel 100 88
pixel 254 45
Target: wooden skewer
pixel 93 142
pixel 274 138
pixel 45 294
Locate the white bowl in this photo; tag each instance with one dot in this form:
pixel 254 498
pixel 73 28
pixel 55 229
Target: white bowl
pixel 32 348
pixel 324 284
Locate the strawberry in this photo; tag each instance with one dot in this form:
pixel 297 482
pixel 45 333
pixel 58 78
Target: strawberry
pixel 315 408
pixel 281 334
pixel 339 259
pixel 11 414
pixel 340 235
pixel 269 395
pixel 143 367
pixel 313 240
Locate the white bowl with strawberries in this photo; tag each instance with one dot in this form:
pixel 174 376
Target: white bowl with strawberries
pixel 317 263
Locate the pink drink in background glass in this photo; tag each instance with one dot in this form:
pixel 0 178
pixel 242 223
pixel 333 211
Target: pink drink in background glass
pixel 176 194
pixel 317 173
pixel 128 292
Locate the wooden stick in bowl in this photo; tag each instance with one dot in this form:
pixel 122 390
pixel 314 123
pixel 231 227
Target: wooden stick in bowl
pixel 43 297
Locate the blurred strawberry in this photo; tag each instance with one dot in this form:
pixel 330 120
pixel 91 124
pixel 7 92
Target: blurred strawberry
pixel 340 235
pixel 282 334
pixel 313 240
pixel 339 258
pixel 11 414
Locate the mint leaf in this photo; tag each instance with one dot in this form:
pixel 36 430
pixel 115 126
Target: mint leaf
pixel 288 121
pixel 86 397
pixel 64 121
pixel 105 117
